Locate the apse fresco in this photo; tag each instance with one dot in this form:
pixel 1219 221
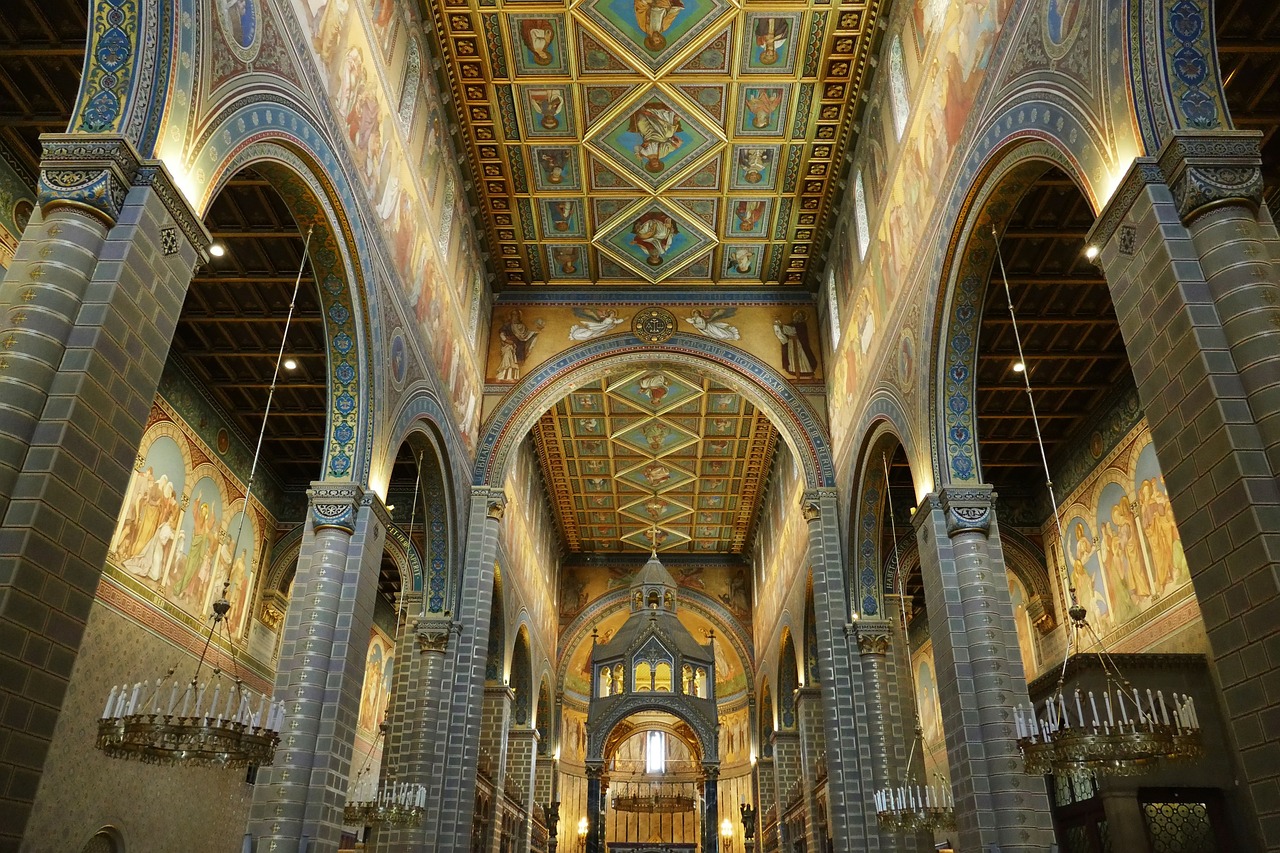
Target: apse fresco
pixel 1123 552
pixel 183 531
pixel 947 46
pixel 386 100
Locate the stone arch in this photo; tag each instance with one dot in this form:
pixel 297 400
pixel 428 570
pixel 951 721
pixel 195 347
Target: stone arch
pixel 521 680
pixel 788 410
pixel 882 437
pixel 788 680
pixel 767 719
pixel 671 703
pixel 810 636
pixel 435 550
pixel 127 65
pixel 543 718
pixel 1005 177
pixel 280 142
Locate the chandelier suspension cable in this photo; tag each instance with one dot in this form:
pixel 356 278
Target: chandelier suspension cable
pixel 1129 737
pixel 136 723
pixel 902 609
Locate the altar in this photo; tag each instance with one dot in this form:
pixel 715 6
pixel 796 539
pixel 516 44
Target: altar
pixel 649 847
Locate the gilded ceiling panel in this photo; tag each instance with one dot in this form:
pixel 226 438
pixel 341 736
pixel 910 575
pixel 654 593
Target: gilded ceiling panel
pixel 654 141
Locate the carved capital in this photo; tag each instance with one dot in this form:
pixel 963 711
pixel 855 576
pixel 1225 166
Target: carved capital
pixel 496 506
pixel 87 174
pixel 156 176
pixel 1042 617
pixel 274 606
pixel 1142 172
pixel 433 633
pixel 968 509
pixel 595 770
pixel 874 637
pixel 1208 169
pixel 334 505
pixel 710 772
pixel 811 503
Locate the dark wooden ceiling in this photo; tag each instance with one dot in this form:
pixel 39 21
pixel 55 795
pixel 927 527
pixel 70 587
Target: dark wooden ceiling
pixel 42 44
pixel 1074 352
pixel 233 321
pixel 1249 53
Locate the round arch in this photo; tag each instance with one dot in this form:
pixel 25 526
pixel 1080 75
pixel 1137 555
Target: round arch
pixel 633 703
pixel 788 680
pixel 521 681
pixel 794 417
pixel 289 151
pixel 436 507
pixel 1004 179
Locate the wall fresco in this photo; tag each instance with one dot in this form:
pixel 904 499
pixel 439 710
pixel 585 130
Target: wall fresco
pixel 781 545
pixel 531 544
pixel 1123 552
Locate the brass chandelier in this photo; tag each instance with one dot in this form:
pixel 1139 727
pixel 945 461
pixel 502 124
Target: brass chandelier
pixel 911 807
pixel 1122 730
pixel 202 725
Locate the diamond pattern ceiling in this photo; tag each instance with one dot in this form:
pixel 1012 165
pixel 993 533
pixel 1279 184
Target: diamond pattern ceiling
pixel 655 451
pixel 680 141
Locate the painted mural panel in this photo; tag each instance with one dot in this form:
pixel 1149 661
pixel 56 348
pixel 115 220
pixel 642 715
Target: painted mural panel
pixel 1022 622
pixel 17 203
pixel 425 219
pixel 379 666
pixel 785 336
pixel 1123 552
pixel 183 531
pixel 531 543
pixel 782 543
pixel 933 746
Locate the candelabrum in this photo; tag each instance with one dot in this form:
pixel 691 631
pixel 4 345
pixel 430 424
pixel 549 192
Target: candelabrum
pixel 196 726
pixel 394 804
pixel 915 808
pixel 1126 737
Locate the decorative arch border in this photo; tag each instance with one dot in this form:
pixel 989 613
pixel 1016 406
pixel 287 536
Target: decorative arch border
pixel 124 82
pixel 883 428
pixel 419 418
pixel 1006 176
pixel 273 135
pixel 520 676
pixel 788 679
pixel 672 703
pixel 406 558
pixel 790 412
pixel 620 599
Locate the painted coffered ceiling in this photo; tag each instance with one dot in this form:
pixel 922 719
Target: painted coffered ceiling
pixel 647 141
pixel 655 452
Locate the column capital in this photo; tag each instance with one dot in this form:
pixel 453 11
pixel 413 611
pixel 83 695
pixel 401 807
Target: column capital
pixel 274 605
pixel 711 770
pixel 968 508
pixel 495 504
pixel 811 502
pixel 1143 171
pixel 501 692
pixel 1211 168
pixel 874 636
pixel 433 632
pixel 92 173
pixel 595 769
pixel 334 505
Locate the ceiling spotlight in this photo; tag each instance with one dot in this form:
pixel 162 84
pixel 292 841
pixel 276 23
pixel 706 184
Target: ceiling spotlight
pixel 217 250
pixel 1018 367
pixel 1091 252
pixel 290 364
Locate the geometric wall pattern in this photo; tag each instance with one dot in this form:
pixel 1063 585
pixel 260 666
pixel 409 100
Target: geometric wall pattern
pixel 640 141
pixel 655 452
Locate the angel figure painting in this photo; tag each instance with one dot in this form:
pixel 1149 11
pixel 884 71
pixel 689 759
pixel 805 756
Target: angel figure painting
pixel 711 323
pixel 594 322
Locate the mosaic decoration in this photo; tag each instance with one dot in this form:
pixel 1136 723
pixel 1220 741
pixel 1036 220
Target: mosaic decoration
pixel 630 101
pixel 657 458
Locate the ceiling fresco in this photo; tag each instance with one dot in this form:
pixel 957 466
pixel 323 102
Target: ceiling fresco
pixel 647 141
pixel 655 454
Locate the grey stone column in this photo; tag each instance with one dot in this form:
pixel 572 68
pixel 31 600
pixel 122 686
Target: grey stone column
pixel 1213 454
pixel 522 750
pixel 1216 181
pixel 813 752
pixel 710 807
pixel 873 639
pixel 87 312
pixel 403 751
pixel 786 776
pixel 495 725
pixel 767 793
pixel 975 651
pixel 321 671
pixel 900 720
pixel 595 807
pixel 850 784
pixel 453 796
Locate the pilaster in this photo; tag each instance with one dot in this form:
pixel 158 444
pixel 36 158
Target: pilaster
pixel 974 644
pixel 1218 460
pixel 87 313
pixel 522 750
pixel 321 671
pixel 813 761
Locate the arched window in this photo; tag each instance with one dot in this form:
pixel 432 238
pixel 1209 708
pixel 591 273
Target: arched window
pixel 644 676
pixel 655 753
pixel 605 680
pixel 860 213
pixel 833 308
pixel 898 88
pixel 700 683
pixel 619 679
pixel 686 680
pixel 409 91
pixel 662 677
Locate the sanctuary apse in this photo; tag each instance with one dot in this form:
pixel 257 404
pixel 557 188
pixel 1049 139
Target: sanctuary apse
pixel 611 423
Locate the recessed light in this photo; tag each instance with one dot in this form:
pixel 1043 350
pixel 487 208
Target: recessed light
pixel 1091 252
pixel 290 364
pixel 217 250
pixel 1018 367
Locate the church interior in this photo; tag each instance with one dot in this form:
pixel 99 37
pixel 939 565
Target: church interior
pixel 666 426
